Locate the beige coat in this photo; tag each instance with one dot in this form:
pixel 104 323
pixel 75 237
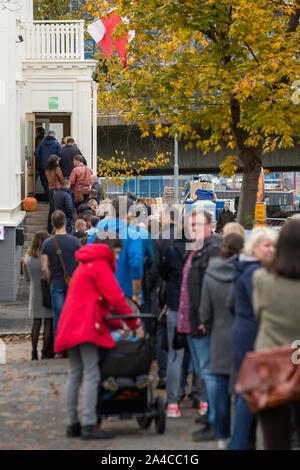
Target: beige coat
pixel 276 302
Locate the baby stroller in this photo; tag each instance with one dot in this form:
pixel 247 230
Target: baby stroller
pixel 126 361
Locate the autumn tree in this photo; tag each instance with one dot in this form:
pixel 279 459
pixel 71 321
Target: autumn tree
pixel 116 168
pixel 51 9
pixel 216 72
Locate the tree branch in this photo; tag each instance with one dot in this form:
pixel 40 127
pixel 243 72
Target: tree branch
pixel 251 52
pixel 293 21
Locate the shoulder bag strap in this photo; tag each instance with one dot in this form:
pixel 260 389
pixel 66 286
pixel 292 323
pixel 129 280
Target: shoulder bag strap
pixel 59 254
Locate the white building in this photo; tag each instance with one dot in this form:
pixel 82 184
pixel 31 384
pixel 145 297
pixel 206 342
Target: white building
pixel 44 81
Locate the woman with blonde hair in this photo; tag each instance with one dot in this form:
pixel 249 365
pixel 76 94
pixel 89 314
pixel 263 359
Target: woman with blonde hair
pixel 258 251
pixel 233 227
pixel 33 274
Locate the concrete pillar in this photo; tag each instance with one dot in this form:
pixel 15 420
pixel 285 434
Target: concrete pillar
pixel 9 119
pixel 84 130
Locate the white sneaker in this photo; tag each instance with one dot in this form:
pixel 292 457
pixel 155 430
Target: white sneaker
pixel 223 444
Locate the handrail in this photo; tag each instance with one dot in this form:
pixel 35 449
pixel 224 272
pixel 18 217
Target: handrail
pixel 54 40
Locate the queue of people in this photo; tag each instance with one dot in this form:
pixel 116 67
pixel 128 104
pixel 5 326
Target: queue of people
pixel 223 296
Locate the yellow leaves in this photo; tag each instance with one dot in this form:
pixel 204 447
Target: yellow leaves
pixel 231 144
pixel 228 167
pixel 158 130
pixel 115 171
pixel 217 148
pixel 245 87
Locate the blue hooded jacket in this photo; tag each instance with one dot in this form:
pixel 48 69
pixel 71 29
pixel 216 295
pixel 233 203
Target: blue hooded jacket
pixel 49 146
pixel 245 326
pixel 130 265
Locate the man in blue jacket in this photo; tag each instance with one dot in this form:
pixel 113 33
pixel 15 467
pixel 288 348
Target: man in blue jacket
pixel 130 264
pixel 49 146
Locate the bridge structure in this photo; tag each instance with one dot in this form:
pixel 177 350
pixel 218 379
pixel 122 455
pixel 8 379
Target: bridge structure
pixel 115 137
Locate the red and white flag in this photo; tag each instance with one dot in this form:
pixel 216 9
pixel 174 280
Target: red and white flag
pixel 102 30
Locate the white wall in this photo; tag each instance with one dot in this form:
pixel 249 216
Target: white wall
pixel 10 193
pixel 71 83
pixel 26 12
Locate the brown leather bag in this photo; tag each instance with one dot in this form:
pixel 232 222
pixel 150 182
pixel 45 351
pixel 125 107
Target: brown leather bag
pixel 269 378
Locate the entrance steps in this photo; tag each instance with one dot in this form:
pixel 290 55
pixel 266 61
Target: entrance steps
pixel 36 221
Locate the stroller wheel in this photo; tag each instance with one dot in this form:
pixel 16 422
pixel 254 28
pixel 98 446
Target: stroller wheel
pixel 160 418
pixel 144 422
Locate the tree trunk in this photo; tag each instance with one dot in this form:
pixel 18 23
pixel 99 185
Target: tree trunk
pixel 248 195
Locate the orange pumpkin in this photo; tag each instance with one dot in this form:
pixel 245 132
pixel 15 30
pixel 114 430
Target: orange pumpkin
pixel 29 204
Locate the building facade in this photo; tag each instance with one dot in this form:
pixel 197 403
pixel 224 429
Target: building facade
pixel 44 81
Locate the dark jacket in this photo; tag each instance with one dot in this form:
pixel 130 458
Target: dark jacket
pixel 224 218
pixel 84 209
pixel 98 188
pixel 160 247
pixel 211 247
pixel 63 202
pixel 67 155
pixel 79 234
pixel 214 314
pixel 245 327
pixel 171 271
pixel 49 146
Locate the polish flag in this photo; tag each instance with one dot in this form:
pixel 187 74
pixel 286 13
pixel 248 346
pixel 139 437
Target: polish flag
pixel 101 31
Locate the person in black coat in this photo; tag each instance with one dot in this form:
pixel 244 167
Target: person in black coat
pixel 225 216
pixel 62 201
pixel 171 273
pixel 49 146
pixel 67 155
pixel 96 187
pixel 154 283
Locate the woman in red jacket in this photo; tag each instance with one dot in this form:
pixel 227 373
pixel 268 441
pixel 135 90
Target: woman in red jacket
pixel 81 329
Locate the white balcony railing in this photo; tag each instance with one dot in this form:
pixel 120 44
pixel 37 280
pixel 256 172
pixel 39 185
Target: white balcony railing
pixel 54 40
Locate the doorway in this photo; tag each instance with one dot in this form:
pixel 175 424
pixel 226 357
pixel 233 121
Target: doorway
pixel 61 124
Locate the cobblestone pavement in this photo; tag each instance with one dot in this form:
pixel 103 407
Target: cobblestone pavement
pixel 33 403
pixel 33 411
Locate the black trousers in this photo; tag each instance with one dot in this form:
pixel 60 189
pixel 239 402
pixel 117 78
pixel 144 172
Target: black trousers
pixel 277 426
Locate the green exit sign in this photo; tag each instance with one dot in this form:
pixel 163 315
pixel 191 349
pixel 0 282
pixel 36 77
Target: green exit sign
pixel 53 102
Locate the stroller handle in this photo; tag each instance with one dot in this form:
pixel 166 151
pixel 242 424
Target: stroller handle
pixel 142 316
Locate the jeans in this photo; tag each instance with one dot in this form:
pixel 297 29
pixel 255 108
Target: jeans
pixel 69 225
pixel 175 360
pixel 161 355
pixel 83 365
pixel 200 352
pixel 58 296
pixel 241 425
pixel 222 402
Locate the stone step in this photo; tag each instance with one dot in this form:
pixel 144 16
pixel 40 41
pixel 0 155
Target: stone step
pixel 40 208
pixel 37 215
pixel 35 228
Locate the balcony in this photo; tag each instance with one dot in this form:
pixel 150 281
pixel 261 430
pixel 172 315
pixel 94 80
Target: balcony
pixel 54 41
